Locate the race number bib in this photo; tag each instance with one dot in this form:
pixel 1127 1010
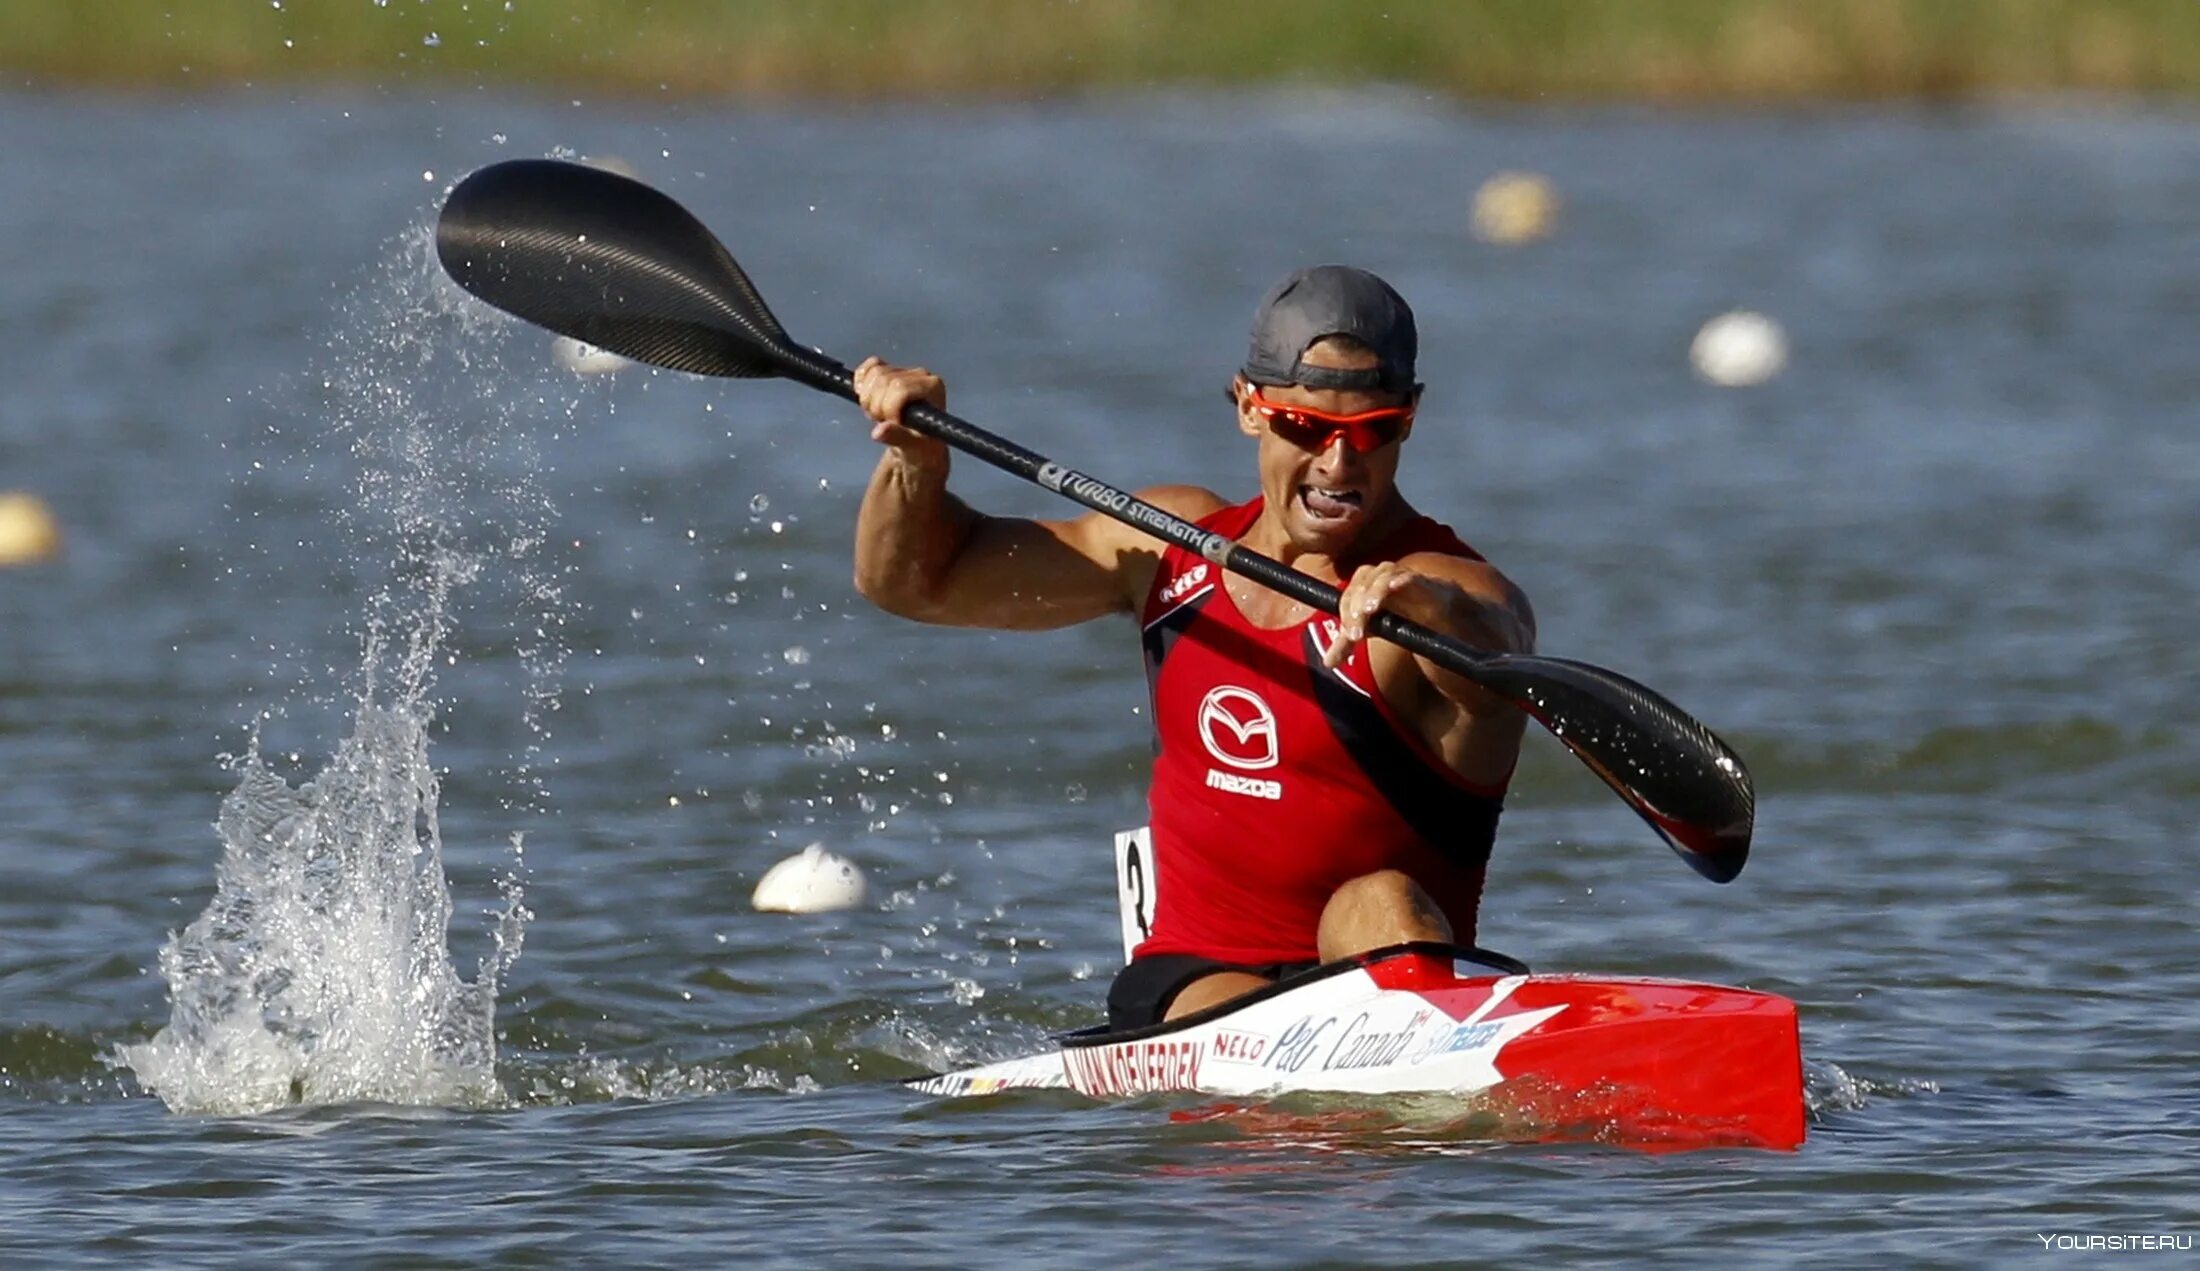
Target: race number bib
pixel 1134 885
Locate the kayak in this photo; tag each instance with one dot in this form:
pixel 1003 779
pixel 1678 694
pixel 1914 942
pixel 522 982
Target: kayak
pixel 1648 1062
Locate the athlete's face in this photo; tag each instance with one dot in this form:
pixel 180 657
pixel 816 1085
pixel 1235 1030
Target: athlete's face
pixel 1326 498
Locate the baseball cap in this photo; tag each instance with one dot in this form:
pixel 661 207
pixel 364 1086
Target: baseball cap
pixel 1333 300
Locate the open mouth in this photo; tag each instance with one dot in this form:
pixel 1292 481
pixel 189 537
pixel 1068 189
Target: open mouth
pixel 1326 506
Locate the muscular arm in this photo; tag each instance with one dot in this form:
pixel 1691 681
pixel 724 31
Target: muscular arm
pixel 923 553
pixel 1472 728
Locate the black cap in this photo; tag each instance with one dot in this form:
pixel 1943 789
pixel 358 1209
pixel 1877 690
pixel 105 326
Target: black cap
pixel 1333 300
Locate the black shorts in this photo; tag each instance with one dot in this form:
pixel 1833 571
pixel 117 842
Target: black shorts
pixel 1141 992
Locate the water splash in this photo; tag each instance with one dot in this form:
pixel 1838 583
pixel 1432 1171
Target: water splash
pixel 321 971
pixel 1829 1088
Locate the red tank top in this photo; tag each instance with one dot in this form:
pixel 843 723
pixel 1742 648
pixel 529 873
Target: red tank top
pixel 1277 779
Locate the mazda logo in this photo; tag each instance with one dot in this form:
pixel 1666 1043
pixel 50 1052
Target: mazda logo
pixel 1238 728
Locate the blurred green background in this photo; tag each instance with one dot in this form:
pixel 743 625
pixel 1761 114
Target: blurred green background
pixel 1657 50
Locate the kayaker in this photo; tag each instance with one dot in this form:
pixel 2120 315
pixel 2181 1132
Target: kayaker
pixel 1315 794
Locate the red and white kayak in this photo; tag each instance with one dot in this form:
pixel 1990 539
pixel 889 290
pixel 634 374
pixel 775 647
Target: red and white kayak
pixel 1652 1062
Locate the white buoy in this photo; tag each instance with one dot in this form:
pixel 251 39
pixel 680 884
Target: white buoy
pixel 611 163
pixel 1735 350
pixel 1515 207
pixel 585 359
pixel 29 534
pixel 812 881
pixel 574 355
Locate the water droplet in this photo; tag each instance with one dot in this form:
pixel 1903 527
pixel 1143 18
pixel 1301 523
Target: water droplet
pixel 760 504
pixel 795 655
pixel 432 40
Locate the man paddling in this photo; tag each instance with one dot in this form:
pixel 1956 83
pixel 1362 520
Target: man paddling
pixel 1316 794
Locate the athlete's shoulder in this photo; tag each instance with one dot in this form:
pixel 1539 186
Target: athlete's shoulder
pixel 1467 570
pixel 1134 555
pixel 1479 578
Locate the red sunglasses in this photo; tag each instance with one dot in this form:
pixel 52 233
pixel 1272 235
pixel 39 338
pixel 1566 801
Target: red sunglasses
pixel 1314 430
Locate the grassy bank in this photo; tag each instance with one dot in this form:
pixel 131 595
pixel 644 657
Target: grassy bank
pixel 1658 50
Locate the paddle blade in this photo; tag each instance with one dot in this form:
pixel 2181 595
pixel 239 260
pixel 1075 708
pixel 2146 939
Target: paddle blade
pixel 610 262
pixel 1690 786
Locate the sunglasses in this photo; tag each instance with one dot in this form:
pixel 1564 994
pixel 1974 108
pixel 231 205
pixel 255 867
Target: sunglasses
pixel 1314 430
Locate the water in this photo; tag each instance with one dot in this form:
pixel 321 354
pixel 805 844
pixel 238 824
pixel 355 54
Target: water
pixel 1934 583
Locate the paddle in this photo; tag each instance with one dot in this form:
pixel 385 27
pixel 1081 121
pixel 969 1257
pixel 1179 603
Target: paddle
pixel 612 262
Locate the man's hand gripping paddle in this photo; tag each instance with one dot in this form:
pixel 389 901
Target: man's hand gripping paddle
pixel 612 262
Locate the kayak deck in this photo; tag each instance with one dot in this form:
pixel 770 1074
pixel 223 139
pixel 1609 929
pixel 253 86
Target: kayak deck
pixel 1648 1061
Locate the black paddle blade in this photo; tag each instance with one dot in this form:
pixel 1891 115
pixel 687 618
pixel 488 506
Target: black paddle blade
pixel 1690 786
pixel 608 261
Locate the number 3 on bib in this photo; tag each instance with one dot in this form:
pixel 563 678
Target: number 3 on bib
pixel 1134 885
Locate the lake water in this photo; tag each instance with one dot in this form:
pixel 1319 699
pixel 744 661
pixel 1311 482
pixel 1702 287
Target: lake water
pixel 355 572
